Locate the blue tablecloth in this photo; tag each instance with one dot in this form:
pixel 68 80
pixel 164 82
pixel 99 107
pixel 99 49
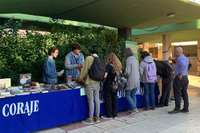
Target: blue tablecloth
pixel 27 113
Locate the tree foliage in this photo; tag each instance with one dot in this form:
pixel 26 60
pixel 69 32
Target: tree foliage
pixel 26 53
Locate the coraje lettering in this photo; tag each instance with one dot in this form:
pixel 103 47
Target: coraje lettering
pixel 19 108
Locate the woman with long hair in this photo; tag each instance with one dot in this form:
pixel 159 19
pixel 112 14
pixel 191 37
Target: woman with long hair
pixel 113 65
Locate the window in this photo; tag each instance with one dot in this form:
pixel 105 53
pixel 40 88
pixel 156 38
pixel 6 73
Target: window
pixel 153 52
pixel 190 51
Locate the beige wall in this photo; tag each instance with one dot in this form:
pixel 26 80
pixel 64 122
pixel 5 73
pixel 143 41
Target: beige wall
pixel 194 64
pixel 159 51
pixel 160 54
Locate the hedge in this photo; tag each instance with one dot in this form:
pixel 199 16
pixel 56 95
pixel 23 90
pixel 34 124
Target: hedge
pixel 26 53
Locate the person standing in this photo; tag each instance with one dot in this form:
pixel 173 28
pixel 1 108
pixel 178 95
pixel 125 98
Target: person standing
pixel 92 89
pixel 164 70
pixel 148 87
pixel 49 70
pixel 181 82
pixel 133 82
pixel 174 60
pixel 74 61
pixel 113 65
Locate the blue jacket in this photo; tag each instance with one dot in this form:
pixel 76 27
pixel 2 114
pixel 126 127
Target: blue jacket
pixel 71 64
pixel 49 71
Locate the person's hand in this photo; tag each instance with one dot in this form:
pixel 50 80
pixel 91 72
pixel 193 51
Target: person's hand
pixel 76 80
pixel 79 65
pixel 180 77
pixel 170 58
pixel 60 74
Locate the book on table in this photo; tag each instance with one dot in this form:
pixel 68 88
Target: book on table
pixel 25 80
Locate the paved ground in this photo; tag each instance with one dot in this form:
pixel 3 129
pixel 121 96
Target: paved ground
pixel 157 121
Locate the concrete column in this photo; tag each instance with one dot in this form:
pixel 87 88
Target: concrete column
pixel 145 47
pixel 160 53
pixel 167 47
pixel 198 57
pixel 125 33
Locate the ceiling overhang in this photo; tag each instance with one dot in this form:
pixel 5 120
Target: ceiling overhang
pixel 115 13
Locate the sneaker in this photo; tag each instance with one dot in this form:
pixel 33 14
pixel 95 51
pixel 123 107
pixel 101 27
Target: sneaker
pixel 146 108
pixel 166 104
pixel 105 117
pixel 173 112
pixel 153 108
pixel 135 111
pixel 88 121
pixel 184 111
pixel 115 117
pixel 97 119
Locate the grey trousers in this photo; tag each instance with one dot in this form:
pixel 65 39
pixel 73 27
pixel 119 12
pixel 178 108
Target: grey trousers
pixel 92 92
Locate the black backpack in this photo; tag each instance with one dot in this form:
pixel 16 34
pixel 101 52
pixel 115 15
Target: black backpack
pixel 168 67
pixel 189 65
pixel 118 83
pixel 97 70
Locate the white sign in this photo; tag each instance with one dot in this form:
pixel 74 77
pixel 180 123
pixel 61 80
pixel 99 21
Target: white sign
pixel 20 108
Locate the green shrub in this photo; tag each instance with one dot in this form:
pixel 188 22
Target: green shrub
pixel 27 54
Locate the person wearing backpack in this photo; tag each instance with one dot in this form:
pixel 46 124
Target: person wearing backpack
pixel 149 78
pixel 113 65
pixel 93 66
pixel 133 82
pixel 164 70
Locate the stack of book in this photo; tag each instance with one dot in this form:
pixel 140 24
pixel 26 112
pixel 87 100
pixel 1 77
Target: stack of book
pixel 7 94
pixel 61 88
pixel 74 85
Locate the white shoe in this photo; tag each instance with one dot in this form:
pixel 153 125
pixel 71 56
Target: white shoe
pixel 115 117
pixel 105 117
pixel 133 112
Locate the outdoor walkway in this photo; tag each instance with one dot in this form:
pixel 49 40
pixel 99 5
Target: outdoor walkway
pixel 157 121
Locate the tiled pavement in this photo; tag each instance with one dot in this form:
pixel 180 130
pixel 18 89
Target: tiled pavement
pixel 157 121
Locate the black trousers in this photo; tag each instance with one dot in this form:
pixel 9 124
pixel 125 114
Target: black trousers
pixel 111 100
pixel 166 85
pixel 180 88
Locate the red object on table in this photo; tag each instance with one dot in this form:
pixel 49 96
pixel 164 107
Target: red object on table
pixel 33 83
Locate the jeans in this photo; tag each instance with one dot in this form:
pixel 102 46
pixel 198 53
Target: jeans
pixel 149 89
pixel 92 91
pixel 131 98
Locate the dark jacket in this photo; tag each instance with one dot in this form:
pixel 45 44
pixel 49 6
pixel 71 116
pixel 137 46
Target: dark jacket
pixel 164 69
